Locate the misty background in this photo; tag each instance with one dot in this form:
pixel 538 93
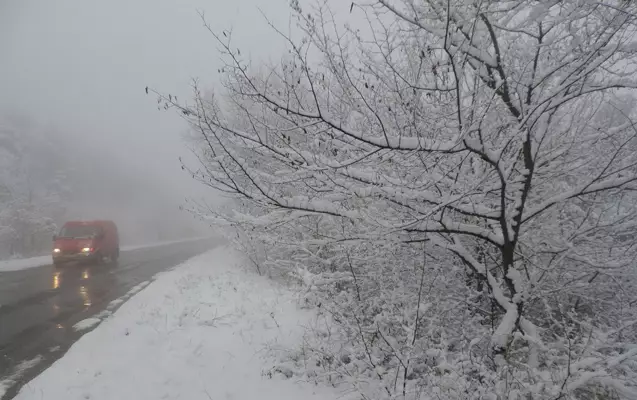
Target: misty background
pixel 79 137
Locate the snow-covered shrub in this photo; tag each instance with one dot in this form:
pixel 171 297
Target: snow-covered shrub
pixel 454 184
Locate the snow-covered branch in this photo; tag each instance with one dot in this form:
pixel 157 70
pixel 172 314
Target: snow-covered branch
pixel 454 183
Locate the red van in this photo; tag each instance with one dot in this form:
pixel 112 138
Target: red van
pixel 91 241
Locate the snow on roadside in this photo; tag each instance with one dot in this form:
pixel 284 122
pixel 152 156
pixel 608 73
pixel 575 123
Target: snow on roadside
pixel 33 262
pixel 92 322
pixel 133 291
pixel 200 331
pixel 24 263
pixel 17 373
pixel 86 324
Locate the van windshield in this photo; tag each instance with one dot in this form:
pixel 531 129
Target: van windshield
pixel 78 231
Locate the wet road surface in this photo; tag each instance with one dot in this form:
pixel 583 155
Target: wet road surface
pixel 39 306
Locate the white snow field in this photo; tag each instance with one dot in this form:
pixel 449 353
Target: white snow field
pixel 202 330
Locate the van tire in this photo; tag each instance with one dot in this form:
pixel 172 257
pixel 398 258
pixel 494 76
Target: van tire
pixel 115 256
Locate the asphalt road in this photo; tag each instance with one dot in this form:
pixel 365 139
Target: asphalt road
pixel 39 306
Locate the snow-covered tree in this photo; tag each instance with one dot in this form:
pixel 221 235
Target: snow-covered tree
pixel 33 187
pixel 455 182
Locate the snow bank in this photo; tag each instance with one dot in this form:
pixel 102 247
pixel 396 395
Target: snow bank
pixel 200 331
pixel 92 322
pixel 17 374
pixel 86 324
pixel 33 262
pixel 24 263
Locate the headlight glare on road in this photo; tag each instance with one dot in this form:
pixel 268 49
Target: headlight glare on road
pixel 86 250
pixel 56 250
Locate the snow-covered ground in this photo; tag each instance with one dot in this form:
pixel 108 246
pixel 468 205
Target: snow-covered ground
pixel 24 263
pixel 33 262
pixel 203 330
pixel 8 381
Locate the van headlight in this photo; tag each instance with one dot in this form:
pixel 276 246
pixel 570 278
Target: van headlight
pixel 86 250
pixel 56 250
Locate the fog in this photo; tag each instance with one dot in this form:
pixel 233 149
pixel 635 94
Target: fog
pixel 74 72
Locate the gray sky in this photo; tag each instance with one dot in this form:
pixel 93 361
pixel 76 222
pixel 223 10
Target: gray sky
pixel 82 65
